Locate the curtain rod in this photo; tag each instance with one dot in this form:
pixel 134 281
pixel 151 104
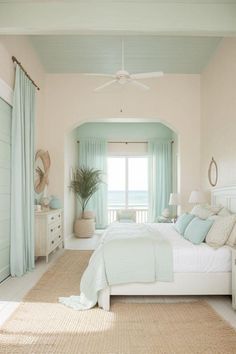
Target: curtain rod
pixel 127 142
pixel 20 65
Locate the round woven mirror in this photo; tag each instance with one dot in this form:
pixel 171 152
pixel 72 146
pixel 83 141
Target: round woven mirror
pixel 213 173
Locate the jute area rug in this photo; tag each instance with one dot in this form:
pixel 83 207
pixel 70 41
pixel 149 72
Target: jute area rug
pixel 42 325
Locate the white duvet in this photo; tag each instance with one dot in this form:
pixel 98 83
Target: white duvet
pixel 194 258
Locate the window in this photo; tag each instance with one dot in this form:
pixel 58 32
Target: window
pixel 128 182
pixel 116 182
pixel 137 182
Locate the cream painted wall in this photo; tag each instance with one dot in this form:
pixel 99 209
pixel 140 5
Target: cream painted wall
pixel 218 95
pixel 71 160
pixel 21 48
pixel 173 99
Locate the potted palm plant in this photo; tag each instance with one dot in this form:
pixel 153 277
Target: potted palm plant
pixel 85 183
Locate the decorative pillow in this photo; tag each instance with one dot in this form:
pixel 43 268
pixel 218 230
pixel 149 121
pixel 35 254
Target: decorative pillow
pixel 216 208
pixel 182 222
pixel 224 212
pixel 204 211
pixel 197 230
pixel 214 217
pixel 125 214
pixel 220 231
pixel 232 237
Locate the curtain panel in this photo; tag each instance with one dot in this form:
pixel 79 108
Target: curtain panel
pixel 22 181
pixel 93 154
pixel 160 176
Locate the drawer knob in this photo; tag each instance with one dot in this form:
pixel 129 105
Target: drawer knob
pixel 59 226
pixel 59 215
pixel 52 242
pixel 59 236
pixel 51 230
pixel 52 218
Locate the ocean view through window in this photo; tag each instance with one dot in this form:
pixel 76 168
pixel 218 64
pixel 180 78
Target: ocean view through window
pixel 128 185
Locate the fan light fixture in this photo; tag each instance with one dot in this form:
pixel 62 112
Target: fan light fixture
pixel 123 76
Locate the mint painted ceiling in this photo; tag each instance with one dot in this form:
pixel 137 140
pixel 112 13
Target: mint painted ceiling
pixel 102 54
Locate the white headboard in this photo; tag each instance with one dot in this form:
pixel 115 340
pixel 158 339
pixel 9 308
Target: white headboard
pixel 225 196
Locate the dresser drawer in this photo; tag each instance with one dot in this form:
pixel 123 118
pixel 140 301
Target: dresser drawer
pixel 55 217
pixel 54 229
pixel 55 241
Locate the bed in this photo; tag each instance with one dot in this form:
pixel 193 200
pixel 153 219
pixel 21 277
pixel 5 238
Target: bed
pixel 198 270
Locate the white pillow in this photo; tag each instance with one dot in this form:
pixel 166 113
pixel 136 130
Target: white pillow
pixel 224 212
pixel 126 214
pixel 215 217
pixel 220 231
pixel 232 237
pixel 216 208
pixel 202 211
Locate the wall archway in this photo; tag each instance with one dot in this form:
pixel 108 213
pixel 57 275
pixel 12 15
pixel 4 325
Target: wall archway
pixel 69 200
pixel 99 119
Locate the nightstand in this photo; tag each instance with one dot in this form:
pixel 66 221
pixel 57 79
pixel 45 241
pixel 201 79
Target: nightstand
pixel 48 232
pixel 234 278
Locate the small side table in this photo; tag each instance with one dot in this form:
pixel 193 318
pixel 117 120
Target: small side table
pixel 234 278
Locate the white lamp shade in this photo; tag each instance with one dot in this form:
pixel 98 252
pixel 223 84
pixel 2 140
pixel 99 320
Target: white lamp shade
pixel 197 197
pixel 174 199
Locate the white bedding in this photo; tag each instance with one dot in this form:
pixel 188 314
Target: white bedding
pixel 194 258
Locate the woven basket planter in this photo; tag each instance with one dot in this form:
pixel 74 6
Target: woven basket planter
pixel 84 228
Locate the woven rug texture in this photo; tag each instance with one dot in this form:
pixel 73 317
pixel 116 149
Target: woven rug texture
pixel 41 325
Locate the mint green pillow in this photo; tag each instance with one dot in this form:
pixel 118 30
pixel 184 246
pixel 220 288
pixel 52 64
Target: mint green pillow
pixel 197 230
pixel 182 222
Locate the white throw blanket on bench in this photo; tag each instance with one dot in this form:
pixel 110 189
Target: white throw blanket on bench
pixel 127 253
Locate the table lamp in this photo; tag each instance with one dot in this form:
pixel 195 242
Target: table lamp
pixel 197 197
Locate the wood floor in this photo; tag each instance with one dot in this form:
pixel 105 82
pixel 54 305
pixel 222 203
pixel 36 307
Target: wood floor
pixel 12 290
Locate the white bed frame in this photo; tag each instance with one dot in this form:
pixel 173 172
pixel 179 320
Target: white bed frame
pixel 184 283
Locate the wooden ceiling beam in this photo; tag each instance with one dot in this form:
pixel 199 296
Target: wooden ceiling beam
pixel 157 18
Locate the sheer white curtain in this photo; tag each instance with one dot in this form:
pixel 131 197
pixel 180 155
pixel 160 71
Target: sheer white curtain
pixel 160 176
pixel 93 153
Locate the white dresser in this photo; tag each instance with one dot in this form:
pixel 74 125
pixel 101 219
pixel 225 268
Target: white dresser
pixel 48 232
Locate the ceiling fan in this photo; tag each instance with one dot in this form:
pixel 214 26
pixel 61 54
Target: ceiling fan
pixel 123 77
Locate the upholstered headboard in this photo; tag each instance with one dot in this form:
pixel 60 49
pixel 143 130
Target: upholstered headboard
pixel 225 196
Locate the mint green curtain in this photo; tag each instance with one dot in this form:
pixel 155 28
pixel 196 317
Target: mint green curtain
pixel 22 182
pixel 93 153
pixel 160 176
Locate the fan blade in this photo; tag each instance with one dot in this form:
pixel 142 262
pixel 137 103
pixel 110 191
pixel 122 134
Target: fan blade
pixel 104 85
pixel 102 75
pixel 147 75
pixel 140 85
